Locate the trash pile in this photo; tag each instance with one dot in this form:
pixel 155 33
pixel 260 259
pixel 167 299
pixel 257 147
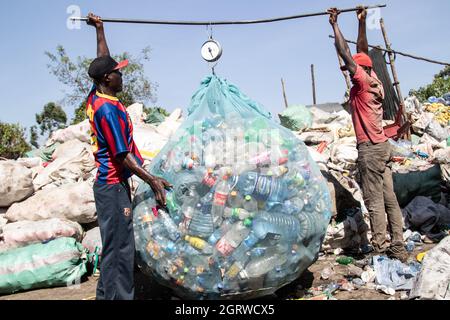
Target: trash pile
pixel 248 210
pixel 47 209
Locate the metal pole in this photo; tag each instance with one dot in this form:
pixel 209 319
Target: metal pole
pixel 284 94
pixel 400 53
pixel 209 23
pixel 313 85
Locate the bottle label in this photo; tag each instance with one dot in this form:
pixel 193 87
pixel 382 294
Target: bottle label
pixel 209 180
pixel 273 236
pixel 197 243
pixel 220 199
pixel 224 248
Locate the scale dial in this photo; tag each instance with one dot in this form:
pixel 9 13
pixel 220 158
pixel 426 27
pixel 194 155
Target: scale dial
pixel 211 50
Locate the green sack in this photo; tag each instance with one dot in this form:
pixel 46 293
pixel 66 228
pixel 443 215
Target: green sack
pixel 296 118
pixel 60 262
pixel 155 117
pixel 45 153
pixel 425 183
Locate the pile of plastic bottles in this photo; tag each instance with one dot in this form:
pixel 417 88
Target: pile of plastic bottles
pixel 233 217
pixel 247 213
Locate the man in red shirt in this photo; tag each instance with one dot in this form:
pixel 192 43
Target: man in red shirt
pixel 374 149
pixel 117 159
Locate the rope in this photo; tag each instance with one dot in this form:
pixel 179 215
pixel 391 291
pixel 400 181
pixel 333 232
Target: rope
pixel 401 53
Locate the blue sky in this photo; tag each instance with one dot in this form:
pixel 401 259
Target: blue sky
pixel 255 56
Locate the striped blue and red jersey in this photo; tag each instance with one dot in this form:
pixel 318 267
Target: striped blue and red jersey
pixel 111 136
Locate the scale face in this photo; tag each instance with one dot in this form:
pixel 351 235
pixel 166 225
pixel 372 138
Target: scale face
pixel 211 50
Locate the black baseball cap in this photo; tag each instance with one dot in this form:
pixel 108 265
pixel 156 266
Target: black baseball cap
pixel 104 65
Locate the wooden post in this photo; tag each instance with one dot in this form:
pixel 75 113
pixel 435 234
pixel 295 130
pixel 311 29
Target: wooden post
pixel 393 69
pixel 313 85
pixel 284 94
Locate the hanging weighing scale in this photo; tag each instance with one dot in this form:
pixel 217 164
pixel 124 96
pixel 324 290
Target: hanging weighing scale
pixel 211 51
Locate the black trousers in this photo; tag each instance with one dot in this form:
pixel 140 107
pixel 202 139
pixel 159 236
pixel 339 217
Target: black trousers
pixel 115 219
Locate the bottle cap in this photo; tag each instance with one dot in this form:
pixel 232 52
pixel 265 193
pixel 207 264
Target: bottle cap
pixel 248 222
pixel 248 197
pixel 187 238
pixel 225 177
pixel 186 270
pixel 233 193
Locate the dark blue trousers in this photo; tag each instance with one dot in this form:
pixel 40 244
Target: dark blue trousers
pixel 115 219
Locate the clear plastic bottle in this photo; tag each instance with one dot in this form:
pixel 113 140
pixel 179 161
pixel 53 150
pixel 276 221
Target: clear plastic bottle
pixel 250 204
pixel 168 223
pixel 284 226
pixel 219 232
pixel 201 225
pixel 247 182
pixel 260 266
pixel 237 213
pixel 191 199
pixel 220 199
pixel 207 180
pixel 235 200
pixel 233 238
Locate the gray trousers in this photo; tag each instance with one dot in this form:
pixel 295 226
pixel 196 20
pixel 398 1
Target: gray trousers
pixel 378 194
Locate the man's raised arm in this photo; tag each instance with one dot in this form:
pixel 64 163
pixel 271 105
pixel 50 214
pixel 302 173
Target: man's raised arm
pixel 102 46
pixel 362 44
pixel 341 44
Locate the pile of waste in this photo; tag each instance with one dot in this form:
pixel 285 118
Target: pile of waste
pixel 233 229
pixel 248 210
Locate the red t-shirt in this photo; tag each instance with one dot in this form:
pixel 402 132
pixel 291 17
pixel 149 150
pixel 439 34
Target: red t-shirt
pixel 366 98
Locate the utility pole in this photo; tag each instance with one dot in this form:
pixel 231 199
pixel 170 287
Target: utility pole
pixel 313 85
pixel 284 94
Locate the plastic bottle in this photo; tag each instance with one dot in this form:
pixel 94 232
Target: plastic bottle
pixel 237 213
pixel 250 204
pixel 235 200
pixel 345 260
pixel 247 182
pixel 199 244
pixel 219 232
pixel 285 227
pixel 260 266
pixel 207 180
pixel 220 199
pixel 232 238
pixel 201 225
pixel 191 199
pixel 168 223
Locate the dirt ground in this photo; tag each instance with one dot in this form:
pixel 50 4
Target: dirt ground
pixel 148 289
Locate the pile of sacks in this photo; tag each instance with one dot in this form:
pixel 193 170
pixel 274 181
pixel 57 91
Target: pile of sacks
pixel 49 196
pixel 421 166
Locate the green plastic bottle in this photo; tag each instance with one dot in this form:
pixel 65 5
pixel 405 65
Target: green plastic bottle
pixel 345 260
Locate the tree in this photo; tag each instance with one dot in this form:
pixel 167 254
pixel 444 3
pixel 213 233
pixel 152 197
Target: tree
pixel 34 136
pixel 51 118
pixel 12 141
pixel 439 86
pixel 137 87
